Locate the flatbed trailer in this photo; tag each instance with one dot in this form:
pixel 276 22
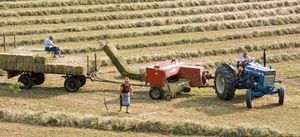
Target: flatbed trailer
pixel 33 66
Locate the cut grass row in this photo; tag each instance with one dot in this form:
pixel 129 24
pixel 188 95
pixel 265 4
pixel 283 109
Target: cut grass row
pixel 201 40
pixel 35 4
pixel 144 14
pixel 214 52
pixel 136 125
pixel 280 20
pixel 269 33
pixel 119 17
pixel 94 2
pixel 200 10
pixel 248 35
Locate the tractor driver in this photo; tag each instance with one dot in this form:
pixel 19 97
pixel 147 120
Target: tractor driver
pixel 244 59
pixel 51 47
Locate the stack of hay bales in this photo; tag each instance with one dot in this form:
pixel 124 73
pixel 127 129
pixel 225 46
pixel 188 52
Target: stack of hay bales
pixel 24 62
pixel 44 63
pixel 121 64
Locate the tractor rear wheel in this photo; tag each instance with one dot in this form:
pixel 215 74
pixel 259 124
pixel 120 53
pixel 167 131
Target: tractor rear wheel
pixel 156 93
pixel 39 78
pixel 72 84
pixel 225 83
pixel 249 98
pixel 281 95
pixel 26 80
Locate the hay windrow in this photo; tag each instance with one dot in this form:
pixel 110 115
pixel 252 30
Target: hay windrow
pixel 201 53
pixel 37 4
pixel 97 2
pixel 59 119
pixel 211 9
pixel 184 29
pixel 198 19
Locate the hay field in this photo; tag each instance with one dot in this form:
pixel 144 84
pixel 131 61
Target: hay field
pixel 198 32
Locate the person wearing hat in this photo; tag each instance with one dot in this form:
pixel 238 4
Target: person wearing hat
pixel 125 93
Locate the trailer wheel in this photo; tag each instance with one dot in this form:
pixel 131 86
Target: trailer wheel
pixel 225 83
pixel 26 80
pixel 249 98
pixel 156 93
pixel 72 84
pixel 82 81
pixel 281 95
pixel 39 78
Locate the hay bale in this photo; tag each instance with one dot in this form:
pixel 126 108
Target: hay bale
pixel 69 70
pixel 79 70
pixel 44 58
pixel 25 59
pixel 50 68
pixel 38 68
pixel 7 57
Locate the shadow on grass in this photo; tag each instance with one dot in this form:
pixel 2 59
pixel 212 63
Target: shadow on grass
pixel 35 92
pixel 267 106
pixel 213 106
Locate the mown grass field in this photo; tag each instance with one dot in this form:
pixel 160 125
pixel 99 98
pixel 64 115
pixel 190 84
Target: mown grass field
pixel 199 32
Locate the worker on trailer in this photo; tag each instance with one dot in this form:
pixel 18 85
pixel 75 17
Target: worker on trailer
pixel 244 59
pixel 51 47
pixel 125 92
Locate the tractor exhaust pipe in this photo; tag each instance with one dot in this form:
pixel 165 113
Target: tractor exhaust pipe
pixel 265 58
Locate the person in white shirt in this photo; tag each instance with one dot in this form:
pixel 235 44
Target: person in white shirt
pixel 50 46
pixel 244 59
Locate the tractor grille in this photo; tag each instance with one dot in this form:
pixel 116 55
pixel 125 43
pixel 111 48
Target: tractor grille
pixel 269 79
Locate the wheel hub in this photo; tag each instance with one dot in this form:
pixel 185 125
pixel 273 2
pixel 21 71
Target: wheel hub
pixel 155 93
pixel 220 83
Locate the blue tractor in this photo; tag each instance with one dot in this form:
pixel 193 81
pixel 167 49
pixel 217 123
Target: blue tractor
pixel 258 81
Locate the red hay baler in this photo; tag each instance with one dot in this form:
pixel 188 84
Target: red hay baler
pixel 168 78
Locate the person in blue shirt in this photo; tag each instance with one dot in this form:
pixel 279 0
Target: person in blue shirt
pixel 50 46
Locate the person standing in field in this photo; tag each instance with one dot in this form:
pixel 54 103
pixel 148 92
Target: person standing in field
pixel 125 92
pixel 51 47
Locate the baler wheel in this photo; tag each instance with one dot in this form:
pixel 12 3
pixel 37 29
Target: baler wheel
pixel 225 83
pixel 26 80
pixel 169 97
pixel 72 84
pixel 281 95
pixel 156 93
pixel 249 98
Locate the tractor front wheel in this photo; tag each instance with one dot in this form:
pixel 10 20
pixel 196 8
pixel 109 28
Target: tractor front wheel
pixel 72 84
pixel 156 93
pixel 281 95
pixel 249 98
pixel 26 80
pixel 225 83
